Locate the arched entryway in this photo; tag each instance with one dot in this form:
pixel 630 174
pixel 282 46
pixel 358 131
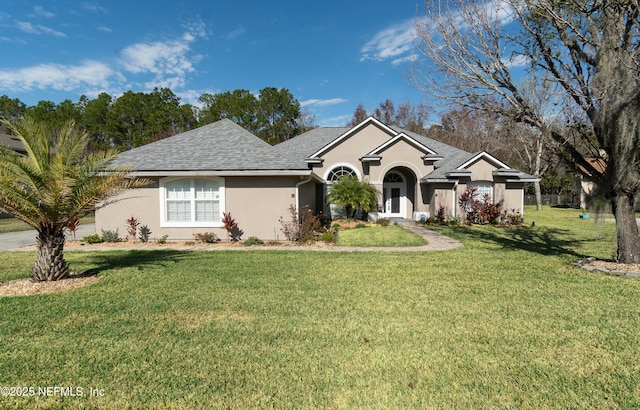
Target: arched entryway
pixel 398 193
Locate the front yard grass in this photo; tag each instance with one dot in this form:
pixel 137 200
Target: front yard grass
pixel 377 236
pixel 504 321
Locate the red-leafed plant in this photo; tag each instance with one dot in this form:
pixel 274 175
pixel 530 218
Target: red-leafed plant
pixel 132 227
pixel 479 211
pixel 72 225
pixel 231 226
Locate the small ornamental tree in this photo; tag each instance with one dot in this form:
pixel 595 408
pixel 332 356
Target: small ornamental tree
pixel 354 195
pixel 56 181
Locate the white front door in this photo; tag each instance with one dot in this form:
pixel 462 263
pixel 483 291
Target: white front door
pixel 395 195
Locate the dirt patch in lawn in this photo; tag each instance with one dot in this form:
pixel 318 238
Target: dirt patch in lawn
pixel 27 287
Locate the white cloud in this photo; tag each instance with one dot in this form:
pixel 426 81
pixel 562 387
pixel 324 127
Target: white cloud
pixel 391 42
pixel 105 29
pixel 94 8
pixel 236 33
pixel 169 57
pixel 406 59
pixel 42 12
pixel 516 61
pixel 169 61
pixel 152 64
pixel 58 77
pixel 323 103
pixel 338 121
pixel 38 29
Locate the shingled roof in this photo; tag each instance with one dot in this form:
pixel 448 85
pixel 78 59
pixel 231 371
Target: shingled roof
pixel 220 146
pixel 224 146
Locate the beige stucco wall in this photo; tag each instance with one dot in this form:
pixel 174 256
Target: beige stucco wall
pixel 400 155
pixel 482 170
pixel 256 203
pixel 351 149
pixel 443 194
pixel 141 203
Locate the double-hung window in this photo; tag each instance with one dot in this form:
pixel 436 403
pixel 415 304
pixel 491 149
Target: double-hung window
pixel 484 188
pixel 196 202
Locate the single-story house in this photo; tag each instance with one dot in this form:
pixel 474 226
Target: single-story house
pixel 199 174
pixel 587 180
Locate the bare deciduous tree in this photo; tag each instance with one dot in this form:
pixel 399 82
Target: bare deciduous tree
pixel 589 48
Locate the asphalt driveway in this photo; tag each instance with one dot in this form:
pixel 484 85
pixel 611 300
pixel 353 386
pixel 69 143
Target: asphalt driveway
pixel 16 240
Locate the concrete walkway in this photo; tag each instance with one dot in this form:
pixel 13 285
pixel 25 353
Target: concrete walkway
pixel 435 242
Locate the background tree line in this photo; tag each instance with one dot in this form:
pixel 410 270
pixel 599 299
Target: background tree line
pixel 137 118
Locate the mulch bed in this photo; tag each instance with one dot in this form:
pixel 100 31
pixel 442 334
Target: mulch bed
pixel 27 287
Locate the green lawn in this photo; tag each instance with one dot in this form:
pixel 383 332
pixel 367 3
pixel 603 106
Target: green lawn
pixel 376 236
pixel 504 321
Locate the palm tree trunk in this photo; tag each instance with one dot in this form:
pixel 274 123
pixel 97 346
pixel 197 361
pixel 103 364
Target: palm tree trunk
pixel 50 264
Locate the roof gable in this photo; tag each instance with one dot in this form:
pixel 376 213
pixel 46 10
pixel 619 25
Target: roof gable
pixel 402 137
pixel 364 124
pixel 487 157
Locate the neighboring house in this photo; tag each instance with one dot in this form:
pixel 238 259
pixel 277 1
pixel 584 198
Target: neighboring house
pixel 199 174
pixel 13 143
pixel 587 180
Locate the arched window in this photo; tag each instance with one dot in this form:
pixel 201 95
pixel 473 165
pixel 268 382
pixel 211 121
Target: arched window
pixel 337 172
pixel 393 177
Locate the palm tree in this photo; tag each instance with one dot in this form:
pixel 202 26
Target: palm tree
pixel 354 195
pixel 56 181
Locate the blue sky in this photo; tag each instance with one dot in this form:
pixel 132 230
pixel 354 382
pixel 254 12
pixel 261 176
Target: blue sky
pixel 331 55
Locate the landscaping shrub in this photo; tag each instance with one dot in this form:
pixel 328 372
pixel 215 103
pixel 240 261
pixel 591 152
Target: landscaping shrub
pixel 441 215
pixel 253 240
pixel 110 236
pixel 95 238
pixel 303 226
pixel 310 226
pixel 231 226
pixel 132 228
pixel 144 233
pixel 383 222
pixel 512 217
pixel 206 237
pixel 360 225
pixel 162 240
pixel 479 211
pixel 328 237
pixel 72 226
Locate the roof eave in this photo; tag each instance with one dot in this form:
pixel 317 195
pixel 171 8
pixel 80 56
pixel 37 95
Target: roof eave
pixel 222 173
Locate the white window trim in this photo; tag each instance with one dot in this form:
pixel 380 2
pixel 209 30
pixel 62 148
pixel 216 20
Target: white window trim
pixel 485 184
pixel 192 224
pixel 341 164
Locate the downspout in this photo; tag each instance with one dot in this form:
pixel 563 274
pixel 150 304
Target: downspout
pixel 298 191
pixel 453 205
